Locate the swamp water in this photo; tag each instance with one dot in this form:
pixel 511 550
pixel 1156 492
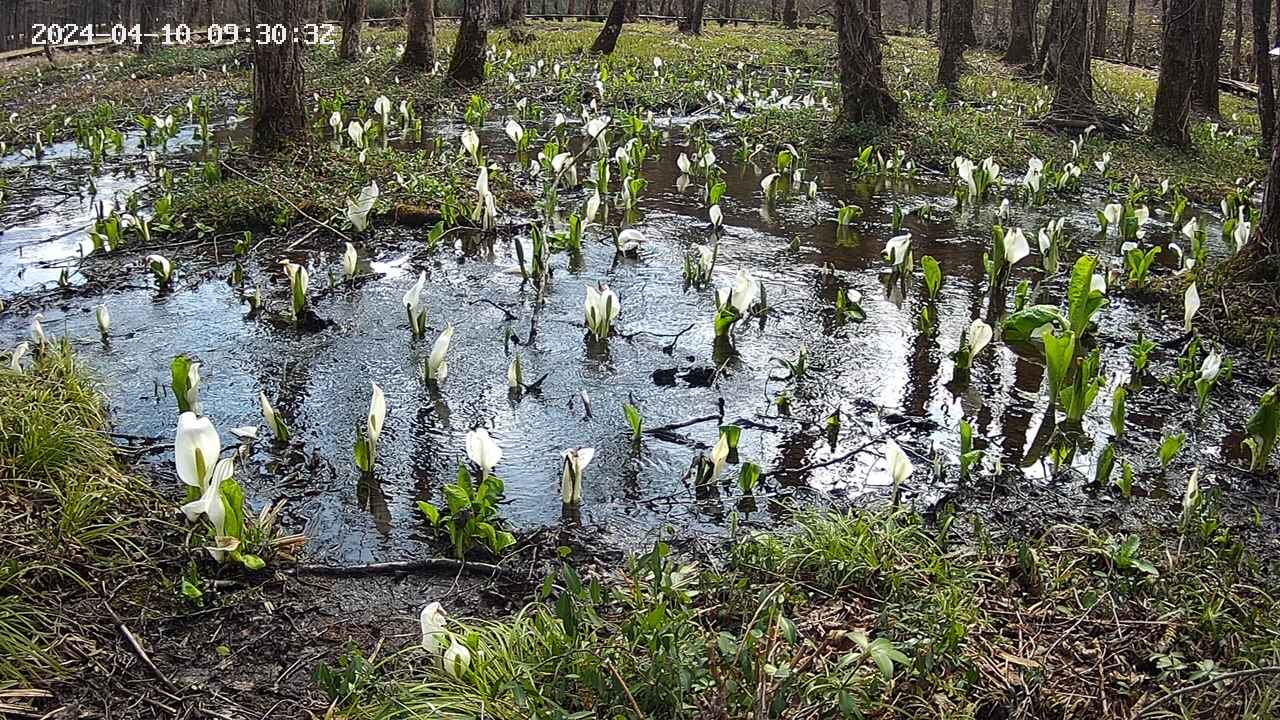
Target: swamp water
pixel 885 376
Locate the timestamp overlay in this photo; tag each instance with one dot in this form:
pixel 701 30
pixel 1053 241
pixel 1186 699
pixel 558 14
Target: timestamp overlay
pixel 72 34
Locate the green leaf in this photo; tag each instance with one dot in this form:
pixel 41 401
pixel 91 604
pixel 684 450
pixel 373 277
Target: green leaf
pixel 1169 449
pixel 731 433
pixel 1059 354
pixel 932 275
pixel 1082 302
pixel 1118 411
pixel 633 419
pixel 1263 429
pixel 431 511
pixel 1022 326
pixel 748 477
pixel 252 562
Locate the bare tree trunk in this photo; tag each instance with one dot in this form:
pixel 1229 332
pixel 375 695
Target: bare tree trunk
pixel 864 96
pixel 608 37
pixel 146 25
pixel 593 7
pixel 420 47
pixel 1100 10
pixel 773 9
pixel 519 11
pixel 1128 30
pixel 1267 242
pixel 1262 69
pixel 1073 87
pixel 692 24
pixel 789 13
pixel 1236 49
pixel 928 16
pixel 279 115
pixel 632 10
pixel 1022 33
pixel 466 67
pixel 353 12
pixel 966 22
pixel 1208 51
pixel 1047 63
pixel 952 39
pixel 876 11
pixel 1173 92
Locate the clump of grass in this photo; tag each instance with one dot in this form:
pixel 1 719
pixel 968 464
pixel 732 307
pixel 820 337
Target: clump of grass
pixel 67 507
pixel 872 613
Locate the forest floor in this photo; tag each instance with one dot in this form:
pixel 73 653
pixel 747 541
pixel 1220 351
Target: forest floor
pixel 869 613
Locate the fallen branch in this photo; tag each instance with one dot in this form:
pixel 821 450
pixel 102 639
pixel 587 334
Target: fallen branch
pixel 291 203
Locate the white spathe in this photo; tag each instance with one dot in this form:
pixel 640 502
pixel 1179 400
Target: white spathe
pixel 742 295
pixel 483 451
pixel 432 620
pixel 979 336
pixel 900 467
pixel 574 464
pixel 437 368
pixel 196 446
pixel 1190 306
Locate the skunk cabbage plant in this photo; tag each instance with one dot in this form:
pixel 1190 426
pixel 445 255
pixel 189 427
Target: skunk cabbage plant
pixel 574 465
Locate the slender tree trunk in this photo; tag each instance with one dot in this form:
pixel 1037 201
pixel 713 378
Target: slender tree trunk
pixel 1073 87
pixel 279 114
pixel 420 48
pixel 466 67
pixel 692 24
pixel 593 7
pixel 951 41
pixel 876 11
pixel 633 10
pixel 1208 52
pixel 789 13
pixel 608 37
pixel 1022 33
pixel 1128 30
pixel 1047 63
pixel 1262 69
pixel 1267 241
pixel 1173 92
pixel 966 8
pixel 1236 48
pixel 353 12
pixel 773 9
pixel 928 16
pixel 502 13
pixel 146 25
pixel 864 96
pixel 1100 11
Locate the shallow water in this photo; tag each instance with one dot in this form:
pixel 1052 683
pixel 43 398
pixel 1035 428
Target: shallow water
pixel 885 376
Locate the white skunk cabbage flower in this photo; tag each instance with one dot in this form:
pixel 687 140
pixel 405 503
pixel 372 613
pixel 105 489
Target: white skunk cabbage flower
pixel 683 164
pixel 514 131
pixel 1210 367
pixel 965 168
pixel 335 122
pixel 273 420
pixel 1191 228
pixel 457 658
pixel 16 355
pixel 630 240
pixel 432 620
pixel 1241 234
pixel 813 190
pixel 978 337
pixel 355 131
pixel 210 504
pixel 358 209
pixel 898 249
pixel 595 129
pixel 1015 246
pixel 717 216
pixel 742 295
pixel 382 106
pixel 412 302
pixel 161 268
pixel 1191 496
pixel 575 463
pixel 900 467
pixel 719 454
pixel 593 207
pixel 377 414
pixel 1035 173
pixel 1190 306
pixel 437 367
pixel 103 316
pixel 471 144
pixel 1098 283
pixel 349 260
pixel 483 451
pixel 515 373
pixel 768 183
pixel 196 447
pixel 1114 213
pixel 601 309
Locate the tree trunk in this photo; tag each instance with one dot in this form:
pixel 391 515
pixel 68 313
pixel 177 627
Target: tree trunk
pixel 466 67
pixel 966 8
pixel 953 28
pixel 1047 63
pixel 864 96
pixel 1208 51
pixel 1100 10
pixel 1267 241
pixel 608 37
pixel 1073 86
pixel 773 9
pixel 353 12
pixel 876 11
pixel 1262 69
pixel 1236 48
pixel 1173 92
pixel 279 114
pixel 593 7
pixel 789 13
pixel 146 25
pixel 1128 30
pixel 1022 33
pixel 692 24
pixel 420 47
pixel 632 10
pixel 928 16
